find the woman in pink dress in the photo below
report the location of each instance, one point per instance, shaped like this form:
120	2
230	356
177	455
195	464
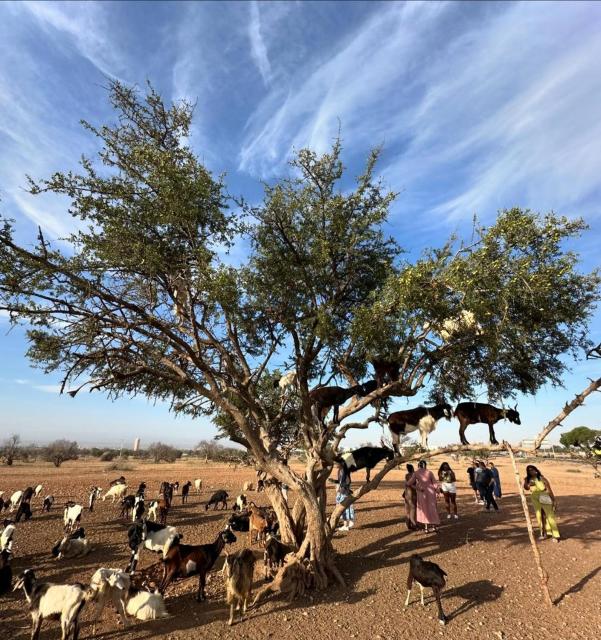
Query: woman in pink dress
427	488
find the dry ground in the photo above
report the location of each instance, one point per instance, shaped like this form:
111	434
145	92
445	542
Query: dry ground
493	587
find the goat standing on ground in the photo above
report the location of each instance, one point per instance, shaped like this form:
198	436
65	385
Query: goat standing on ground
72	515
110	585
116	492
275	554
426	574
219	497
37	490
184	560
24	510
6	537
127	506
238	573
47	600
94	495
198	485
186	491
151	535
48	502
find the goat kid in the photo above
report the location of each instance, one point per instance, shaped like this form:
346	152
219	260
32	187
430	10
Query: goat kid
110	585
240	503
72	515
47	504
426	574
95	493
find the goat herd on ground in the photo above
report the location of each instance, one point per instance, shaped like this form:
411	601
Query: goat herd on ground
139	594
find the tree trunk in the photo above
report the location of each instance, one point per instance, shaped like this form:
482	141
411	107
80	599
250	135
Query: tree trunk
282	510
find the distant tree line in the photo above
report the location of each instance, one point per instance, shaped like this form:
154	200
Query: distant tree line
59	451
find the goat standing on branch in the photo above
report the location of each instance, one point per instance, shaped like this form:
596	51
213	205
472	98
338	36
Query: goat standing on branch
474	412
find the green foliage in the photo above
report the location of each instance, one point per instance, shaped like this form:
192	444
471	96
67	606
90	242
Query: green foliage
579	437
60	451
146	302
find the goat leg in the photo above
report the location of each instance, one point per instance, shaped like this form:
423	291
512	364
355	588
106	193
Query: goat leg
421	589
232	609
409	586
441	616
36	624
491	432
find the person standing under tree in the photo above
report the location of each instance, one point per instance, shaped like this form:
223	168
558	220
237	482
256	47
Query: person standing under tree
543	501
344	490
486	487
471	472
497	481
427	488
447	479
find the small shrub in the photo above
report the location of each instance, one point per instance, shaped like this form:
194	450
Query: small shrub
60	451
120	466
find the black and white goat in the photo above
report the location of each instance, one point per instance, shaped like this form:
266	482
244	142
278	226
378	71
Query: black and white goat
48	600
184	561
150	535
6	537
364	458
72	515
139	508
426	574
423	419
74	546
78	533
38	490
47	504
95	493
240	503
15	499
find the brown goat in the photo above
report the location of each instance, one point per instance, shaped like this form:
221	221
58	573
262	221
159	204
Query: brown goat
256	522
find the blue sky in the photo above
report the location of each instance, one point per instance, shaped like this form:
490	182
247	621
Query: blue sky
478	106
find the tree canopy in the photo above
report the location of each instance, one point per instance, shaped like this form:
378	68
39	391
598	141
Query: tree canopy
579	437
146	300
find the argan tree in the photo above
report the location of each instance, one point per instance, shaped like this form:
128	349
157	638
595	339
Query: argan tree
159	451
147	302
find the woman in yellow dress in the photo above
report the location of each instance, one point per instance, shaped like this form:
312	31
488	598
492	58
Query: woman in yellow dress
543	501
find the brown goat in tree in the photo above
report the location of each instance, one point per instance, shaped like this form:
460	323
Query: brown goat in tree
476	412
324	398
257	521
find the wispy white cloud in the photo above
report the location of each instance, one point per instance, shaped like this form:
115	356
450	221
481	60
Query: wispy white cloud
86	24
477	108
48	388
258	48
21	381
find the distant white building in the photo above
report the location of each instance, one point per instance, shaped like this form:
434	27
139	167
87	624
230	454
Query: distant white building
545	446
136	445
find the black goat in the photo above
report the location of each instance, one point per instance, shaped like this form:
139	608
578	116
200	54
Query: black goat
24	510
119	480
141	489
186	491
6	572
27	494
239	521
127	505
364	458
185	560
219	497
324	398
426	574
274	554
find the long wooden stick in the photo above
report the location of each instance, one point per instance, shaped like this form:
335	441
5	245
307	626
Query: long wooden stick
544	576
567	409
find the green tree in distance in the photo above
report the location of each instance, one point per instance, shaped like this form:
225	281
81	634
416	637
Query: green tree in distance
146	302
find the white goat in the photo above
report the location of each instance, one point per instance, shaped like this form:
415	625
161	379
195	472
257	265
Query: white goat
72	515
465	321
6	538
116	492
47	600
153	509
198	485
73	548
110	585
146	606
15	499
287	380
37	490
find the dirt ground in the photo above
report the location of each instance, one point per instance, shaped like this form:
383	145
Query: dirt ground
493	589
